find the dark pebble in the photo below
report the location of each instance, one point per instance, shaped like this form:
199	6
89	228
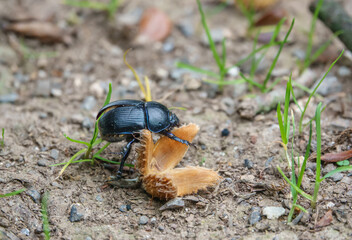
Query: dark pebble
74	215
34	194
54	153
225	132
248	163
128	207
161	228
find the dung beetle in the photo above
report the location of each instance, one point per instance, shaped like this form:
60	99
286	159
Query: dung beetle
125	119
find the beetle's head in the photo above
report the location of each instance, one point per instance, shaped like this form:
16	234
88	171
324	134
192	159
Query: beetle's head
174	121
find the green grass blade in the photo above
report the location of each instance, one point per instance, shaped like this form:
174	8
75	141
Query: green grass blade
3	137
101	149
281	124
339	169
77	161
13	193
196	69
233	82
315	89
303	168
87	4
295	100
273	64
318	157
300	207
223	46
76	141
300	191
108	97
113	162
46	228
293	174
307	60
287	105
323	48
251	81
211	42
245	59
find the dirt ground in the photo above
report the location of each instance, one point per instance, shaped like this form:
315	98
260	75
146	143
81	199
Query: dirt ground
62	93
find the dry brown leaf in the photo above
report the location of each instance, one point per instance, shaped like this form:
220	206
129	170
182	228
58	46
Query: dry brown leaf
336	157
154	26
271	17
44	31
156	164
325	220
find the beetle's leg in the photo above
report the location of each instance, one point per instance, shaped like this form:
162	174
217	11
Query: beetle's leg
126	152
173	137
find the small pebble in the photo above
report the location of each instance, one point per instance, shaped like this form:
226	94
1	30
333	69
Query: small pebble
8	98
225	132
344	71
248	163
268	162
168	46
216	34
273	212
143	220
234	72
54	153
186	28
99	198
74	215
25	231
255	216
229	180
161	228
173	204
34	194
89	103
87	123
337	177
43	88
153	220
43	162
43	115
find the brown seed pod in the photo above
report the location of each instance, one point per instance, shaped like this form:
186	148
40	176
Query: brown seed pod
156	163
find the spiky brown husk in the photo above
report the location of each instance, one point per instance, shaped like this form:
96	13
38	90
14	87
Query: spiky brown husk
156	164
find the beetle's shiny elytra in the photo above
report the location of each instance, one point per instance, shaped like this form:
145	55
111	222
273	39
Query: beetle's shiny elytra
123	118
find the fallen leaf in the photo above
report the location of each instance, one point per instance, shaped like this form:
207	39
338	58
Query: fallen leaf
154	26
44	31
336	157
325	220
271	17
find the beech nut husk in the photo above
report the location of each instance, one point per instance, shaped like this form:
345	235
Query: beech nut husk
157	162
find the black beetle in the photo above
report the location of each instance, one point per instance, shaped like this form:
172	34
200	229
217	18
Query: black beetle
124	119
